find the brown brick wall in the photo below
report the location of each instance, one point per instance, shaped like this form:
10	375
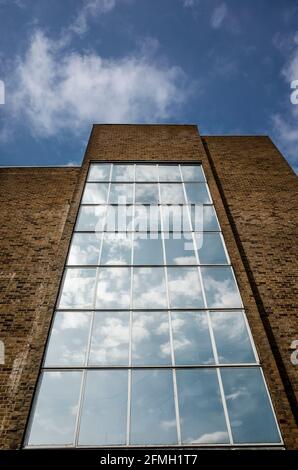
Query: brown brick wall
39	208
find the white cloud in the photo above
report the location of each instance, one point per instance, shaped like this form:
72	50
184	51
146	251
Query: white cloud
285	124
56	90
189	3
90	9
218	15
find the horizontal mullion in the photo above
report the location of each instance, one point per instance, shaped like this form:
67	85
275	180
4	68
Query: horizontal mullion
265	446
148	204
187	309
106	266
143	182
148	231
144	367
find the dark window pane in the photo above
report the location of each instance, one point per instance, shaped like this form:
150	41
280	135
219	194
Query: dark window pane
113	290
211	249
110	337
197	193
185	288
151	339
55	412
95	193
78	288
248	405
147	250
232	339
149	290
104	410
191	338
116	249
153	418
68	339
99	172
84	249
220	288
201	411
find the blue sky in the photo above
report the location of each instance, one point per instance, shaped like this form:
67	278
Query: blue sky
225	65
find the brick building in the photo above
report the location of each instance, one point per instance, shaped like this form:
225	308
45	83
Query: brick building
254	193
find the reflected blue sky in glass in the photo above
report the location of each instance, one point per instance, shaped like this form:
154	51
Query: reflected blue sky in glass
121	194
147	250
175	218
180	250
250	412
231	337
184	288
104	412
146	173
149	288
69	338
203	218
99	172
56	409
110	339
113	289
116	249
201	412
84	249
210	248
169	173
123	173
91	218
191	338
78	288
151	339
172	193
153	419
95	193
197	193
147	218
146	194
119	218
192	173
220	288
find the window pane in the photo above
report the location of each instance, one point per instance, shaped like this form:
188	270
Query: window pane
179	250
99	172
104	410
84	248
113	289
110	337
231	336
191	338
119	218
149	289
147	250
201	411
192	173
78	288
203	218
123	173
197	193
248	405
151	339
211	249
68	339
185	288
175	218
121	194
147	218
147	194
169	173
91	218
220	288
116	249
146	173
56	408
172	193
95	193
153	418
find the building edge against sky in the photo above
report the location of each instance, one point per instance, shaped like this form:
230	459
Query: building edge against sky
255	195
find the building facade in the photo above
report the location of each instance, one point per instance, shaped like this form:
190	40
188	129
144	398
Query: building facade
107	338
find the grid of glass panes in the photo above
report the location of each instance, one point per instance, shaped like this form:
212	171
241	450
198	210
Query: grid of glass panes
150	344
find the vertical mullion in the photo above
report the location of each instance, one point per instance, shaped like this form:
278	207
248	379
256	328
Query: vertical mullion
186	201
170	332
224	404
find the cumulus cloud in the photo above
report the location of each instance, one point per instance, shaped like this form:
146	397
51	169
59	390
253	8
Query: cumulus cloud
285	124
90	9
218	15
57	90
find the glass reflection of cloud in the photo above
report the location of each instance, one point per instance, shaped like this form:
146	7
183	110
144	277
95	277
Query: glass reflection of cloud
113	290
220	288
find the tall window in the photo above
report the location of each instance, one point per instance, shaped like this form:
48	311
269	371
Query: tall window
149	343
